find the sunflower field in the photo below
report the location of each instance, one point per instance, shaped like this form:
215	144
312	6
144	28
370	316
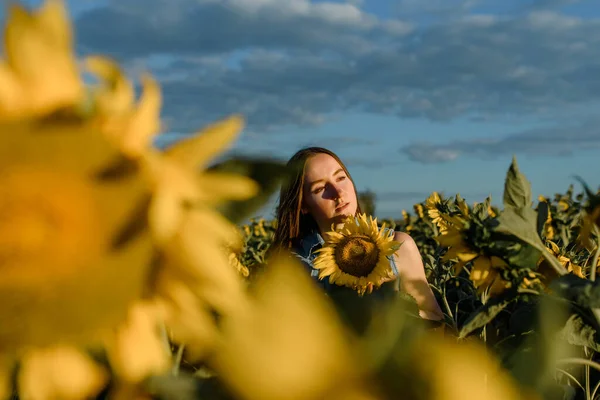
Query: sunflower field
126	271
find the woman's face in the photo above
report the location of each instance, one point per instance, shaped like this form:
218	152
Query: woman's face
328	193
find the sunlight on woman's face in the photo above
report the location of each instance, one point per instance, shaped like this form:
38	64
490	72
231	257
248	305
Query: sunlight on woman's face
328	192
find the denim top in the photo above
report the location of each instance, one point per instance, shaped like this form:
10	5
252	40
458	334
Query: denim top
306	252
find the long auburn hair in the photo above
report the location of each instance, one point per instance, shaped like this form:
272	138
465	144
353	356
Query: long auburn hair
292	224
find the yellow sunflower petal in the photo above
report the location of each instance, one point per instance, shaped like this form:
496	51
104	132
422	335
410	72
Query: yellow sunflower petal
450	239
480	270
145	121
577	270
188	320
198	149
136	350
554	248
59	373
225	186
42	38
118	94
333	237
463	207
466	255
194	252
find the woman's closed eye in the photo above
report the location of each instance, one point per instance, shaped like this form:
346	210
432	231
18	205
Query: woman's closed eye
318	190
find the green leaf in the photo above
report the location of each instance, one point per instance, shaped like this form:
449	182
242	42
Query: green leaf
487	312
579	333
522	223
517	190
269	174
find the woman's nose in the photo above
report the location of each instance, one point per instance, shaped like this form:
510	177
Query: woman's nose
337	191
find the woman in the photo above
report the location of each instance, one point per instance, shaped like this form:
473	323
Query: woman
322	193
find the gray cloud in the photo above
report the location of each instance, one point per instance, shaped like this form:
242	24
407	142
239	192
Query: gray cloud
220	26
558	140
297	63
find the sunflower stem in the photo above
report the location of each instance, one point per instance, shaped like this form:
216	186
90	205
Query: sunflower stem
164	335
553	261
579	361
448	309
596	256
177	360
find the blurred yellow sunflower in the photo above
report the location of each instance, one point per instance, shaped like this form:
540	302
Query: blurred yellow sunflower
356	255
484	272
460	370
68	236
264	354
79	187
191	236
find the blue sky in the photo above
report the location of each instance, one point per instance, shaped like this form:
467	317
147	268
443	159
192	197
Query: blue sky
414	95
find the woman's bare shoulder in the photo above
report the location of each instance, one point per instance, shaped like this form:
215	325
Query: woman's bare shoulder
400	236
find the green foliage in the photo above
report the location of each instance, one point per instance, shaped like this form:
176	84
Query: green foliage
366	200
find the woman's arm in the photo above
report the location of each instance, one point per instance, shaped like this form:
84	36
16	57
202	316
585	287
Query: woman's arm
412	277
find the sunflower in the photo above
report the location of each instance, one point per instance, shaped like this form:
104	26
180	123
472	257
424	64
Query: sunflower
191	236
264	354
548	272
485	271
436	211
356	255
88	208
419	210
67	238
407	221
432	203
458	370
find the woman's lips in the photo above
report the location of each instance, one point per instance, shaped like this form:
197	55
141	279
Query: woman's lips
342	207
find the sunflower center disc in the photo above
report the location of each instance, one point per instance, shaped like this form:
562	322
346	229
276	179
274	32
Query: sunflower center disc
357	255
